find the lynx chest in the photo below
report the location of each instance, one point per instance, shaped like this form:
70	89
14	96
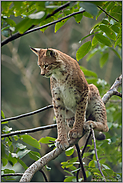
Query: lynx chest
68	94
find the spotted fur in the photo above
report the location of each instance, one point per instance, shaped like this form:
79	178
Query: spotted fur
73	98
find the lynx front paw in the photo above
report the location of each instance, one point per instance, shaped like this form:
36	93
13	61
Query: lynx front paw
73	134
88	125
61	144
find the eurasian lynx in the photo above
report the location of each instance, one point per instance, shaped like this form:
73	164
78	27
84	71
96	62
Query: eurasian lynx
73	98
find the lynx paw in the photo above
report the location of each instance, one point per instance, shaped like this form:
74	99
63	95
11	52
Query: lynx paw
88	125
61	144
74	134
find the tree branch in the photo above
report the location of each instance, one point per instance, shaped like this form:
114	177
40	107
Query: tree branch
107	13
17	35
12	174
29	130
113	89
27	114
97	155
81	163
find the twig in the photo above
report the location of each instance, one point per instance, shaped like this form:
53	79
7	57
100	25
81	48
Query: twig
58	9
45	178
17	35
12	174
107	14
29	130
117	93
81	163
27	114
97	155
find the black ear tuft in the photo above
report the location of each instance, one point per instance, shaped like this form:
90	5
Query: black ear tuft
35	50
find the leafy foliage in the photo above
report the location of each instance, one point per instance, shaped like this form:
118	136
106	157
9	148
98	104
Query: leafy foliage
20	16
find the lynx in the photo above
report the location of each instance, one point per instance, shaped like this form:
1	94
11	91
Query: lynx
73	98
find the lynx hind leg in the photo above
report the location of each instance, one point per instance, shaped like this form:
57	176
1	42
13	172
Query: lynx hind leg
97	109
70	118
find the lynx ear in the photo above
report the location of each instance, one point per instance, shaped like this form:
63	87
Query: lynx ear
35	50
51	53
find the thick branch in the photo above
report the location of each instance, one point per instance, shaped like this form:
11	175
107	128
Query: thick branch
28	174
17	35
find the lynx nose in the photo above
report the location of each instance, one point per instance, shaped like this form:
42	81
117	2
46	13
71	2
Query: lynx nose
42	73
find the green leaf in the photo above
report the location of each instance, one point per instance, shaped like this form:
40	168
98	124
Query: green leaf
104	59
69	179
115	28
6	5
38	15
83	50
78	17
91	163
10	22
2	114
102	39
23	153
118	42
116	53
12	159
86	14
90	8
109	32
94	41
69	151
22	163
21	25
47	140
31	141
8	171
92	53
34	155
60	24
4	161
88	72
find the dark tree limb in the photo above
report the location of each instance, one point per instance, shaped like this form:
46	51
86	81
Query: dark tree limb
29	130
81	163
12	174
107	14
45	178
27	114
17	35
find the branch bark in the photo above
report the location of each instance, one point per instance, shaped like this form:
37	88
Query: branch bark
113	89
28	174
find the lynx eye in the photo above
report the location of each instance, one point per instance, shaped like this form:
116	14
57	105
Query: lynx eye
45	66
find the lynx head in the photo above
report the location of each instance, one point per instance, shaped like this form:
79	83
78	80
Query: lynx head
48	61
